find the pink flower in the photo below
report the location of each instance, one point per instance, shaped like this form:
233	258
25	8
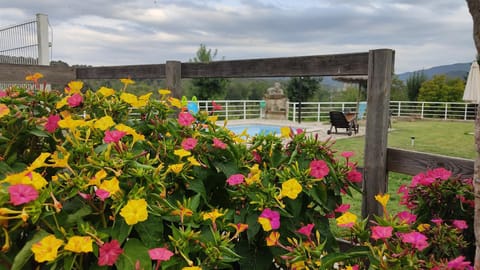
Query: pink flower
216	107
185	119
85	196
235	179
418	240
460	224
3	93
347	154
406	217
75	100
113	136
422	179
219	144
318	168
160	254
257	157
109	253
189	143
20	194
272	216
354	176
381	232
102	194
437	221
459	263
440	173
52	123
342	208
306	230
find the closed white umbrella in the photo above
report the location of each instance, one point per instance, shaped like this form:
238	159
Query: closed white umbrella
472	88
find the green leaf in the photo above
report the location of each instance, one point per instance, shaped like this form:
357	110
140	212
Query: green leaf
38	133
120	230
134	251
151	231
26	253
253	226
198	186
79	214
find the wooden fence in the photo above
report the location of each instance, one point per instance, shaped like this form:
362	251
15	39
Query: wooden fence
376	64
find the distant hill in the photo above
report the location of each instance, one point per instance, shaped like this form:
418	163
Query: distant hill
459	70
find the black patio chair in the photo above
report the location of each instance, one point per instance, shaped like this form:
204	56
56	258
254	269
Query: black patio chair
340	120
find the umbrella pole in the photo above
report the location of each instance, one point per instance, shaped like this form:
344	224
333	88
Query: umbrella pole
476	186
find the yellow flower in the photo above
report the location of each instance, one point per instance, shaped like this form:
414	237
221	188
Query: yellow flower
74	87
135	211
176	168
127	81
105	91
266	224
254	175
298	265
347	220
104	123
193	161
272	238
423	227
37	180
4	110
39	162
46	249
62	102
143	100
97	178
175	102
182	153
60	158
71	123
212	215
164	92
192	268
291	189
112	185
79	244
382	199
27	178
212	119
129	98
130	131
285	131
34	77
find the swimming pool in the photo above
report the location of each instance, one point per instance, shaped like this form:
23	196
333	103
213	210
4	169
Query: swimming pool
255	129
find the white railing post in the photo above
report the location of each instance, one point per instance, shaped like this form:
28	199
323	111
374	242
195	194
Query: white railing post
226	110
294	111
465	112
319	112
244	110
421	113
446	110
399	108
42	37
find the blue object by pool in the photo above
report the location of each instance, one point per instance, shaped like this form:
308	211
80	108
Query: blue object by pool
253	130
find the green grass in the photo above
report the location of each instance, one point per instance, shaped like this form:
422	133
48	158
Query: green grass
449	138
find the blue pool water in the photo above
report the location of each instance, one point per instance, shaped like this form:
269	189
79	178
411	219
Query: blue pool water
253	130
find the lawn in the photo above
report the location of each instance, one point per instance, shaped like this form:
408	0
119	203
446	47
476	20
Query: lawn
449	138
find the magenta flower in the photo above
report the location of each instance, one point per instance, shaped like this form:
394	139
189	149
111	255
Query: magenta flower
257	157
347	154
437	221
460	224
113	136
52	123
306	230
85	196
185	119
219	144
20	194
459	263
189	143
102	194
422	179
354	176
235	179
3	93
342	208
406	217
440	173
381	232
418	240
216	107
109	253
160	255
318	168
272	216
75	100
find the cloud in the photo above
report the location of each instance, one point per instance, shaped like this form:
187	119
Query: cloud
127	32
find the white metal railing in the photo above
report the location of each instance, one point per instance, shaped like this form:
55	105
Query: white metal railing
318	111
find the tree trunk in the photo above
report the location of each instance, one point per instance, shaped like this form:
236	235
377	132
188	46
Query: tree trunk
474	8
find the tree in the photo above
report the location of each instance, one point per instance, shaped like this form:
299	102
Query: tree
441	88
414	82
301	88
398	90
207	88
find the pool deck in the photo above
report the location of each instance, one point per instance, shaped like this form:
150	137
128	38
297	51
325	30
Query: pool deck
315	128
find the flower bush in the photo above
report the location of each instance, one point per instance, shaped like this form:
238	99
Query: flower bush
108	179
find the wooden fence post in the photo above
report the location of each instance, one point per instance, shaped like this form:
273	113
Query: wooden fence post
173	77
375	175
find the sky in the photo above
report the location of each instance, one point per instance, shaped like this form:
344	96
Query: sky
423	33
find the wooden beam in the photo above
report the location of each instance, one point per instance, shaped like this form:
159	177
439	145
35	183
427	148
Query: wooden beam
375	176
413	163
52	74
119	72
323	65
173	81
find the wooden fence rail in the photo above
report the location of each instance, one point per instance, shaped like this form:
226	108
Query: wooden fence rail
376	64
